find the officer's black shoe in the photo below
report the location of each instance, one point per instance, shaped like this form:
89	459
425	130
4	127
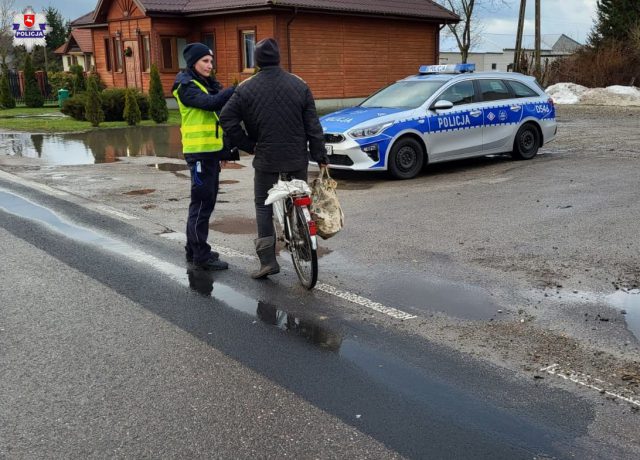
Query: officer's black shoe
212	255
211	264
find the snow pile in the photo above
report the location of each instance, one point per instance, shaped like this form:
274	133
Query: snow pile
570	93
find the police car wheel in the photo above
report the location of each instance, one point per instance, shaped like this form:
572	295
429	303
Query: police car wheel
527	142
406	159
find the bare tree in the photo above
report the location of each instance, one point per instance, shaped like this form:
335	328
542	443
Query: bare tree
6	19
467	32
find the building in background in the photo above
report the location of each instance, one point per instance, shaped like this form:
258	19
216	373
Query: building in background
496	51
343	50
78	50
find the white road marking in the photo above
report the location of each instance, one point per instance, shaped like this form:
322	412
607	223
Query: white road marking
37	185
582	379
326	288
115	212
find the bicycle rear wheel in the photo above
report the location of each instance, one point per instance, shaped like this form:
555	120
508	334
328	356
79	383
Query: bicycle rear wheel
304	257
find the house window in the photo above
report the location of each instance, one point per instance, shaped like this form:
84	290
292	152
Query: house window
146	53
107	53
210	41
69	63
87	62
248	42
494	66
172	48
117	50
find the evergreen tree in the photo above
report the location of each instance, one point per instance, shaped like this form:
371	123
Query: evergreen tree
93	107
6	98
616	19
79	83
32	95
131	112
58	33
157	104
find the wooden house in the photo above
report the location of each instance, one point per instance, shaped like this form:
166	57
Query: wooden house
342	49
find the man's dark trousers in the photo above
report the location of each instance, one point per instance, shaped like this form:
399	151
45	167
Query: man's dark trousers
205	174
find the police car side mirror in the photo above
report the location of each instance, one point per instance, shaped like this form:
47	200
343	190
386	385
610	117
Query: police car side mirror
442	105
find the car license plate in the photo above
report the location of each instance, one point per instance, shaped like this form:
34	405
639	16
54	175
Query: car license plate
329	149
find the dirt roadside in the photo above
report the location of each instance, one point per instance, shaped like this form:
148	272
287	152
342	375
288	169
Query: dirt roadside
549	240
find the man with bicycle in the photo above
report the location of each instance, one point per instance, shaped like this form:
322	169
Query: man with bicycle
282	131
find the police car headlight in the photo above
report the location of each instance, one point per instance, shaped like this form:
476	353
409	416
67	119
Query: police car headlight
369	130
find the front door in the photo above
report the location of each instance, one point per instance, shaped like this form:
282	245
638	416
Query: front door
132	64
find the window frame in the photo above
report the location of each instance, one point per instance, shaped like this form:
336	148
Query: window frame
511	85
473	86
175	58
118	60
480	94
211	34
108	55
243	58
145	58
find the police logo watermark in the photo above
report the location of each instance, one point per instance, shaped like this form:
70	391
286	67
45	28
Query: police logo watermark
30	29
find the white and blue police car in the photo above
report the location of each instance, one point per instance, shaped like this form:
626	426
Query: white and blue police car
445	112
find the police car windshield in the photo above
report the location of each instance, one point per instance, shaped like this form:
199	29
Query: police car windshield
403	94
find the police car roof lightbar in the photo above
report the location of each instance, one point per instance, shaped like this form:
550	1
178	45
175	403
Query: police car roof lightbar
447	68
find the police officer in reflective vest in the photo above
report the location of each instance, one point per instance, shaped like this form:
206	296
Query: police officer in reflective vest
199	97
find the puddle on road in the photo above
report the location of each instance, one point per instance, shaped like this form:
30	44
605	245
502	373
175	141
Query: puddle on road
234	225
629	301
421	294
229	182
99	146
143	191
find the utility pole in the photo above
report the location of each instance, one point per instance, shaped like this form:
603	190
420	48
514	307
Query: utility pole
517	55
538	71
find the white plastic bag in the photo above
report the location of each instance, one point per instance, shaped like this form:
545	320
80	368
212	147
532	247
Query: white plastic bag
281	190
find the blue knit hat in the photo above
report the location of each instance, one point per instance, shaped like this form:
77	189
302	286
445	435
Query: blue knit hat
193	52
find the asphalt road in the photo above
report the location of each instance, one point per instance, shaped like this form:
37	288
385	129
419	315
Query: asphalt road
111	348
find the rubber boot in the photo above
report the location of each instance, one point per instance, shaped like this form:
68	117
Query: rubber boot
266	249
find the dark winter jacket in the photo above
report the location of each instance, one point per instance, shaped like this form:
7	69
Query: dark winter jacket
192	96
280	117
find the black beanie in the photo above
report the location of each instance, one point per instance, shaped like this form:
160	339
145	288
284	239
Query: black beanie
267	53
193	52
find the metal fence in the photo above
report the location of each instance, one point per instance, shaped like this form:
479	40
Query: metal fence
16	83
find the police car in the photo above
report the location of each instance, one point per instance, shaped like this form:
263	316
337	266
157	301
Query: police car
446	112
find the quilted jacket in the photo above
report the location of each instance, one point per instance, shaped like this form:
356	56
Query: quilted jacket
280	120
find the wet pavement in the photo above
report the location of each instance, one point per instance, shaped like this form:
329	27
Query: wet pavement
392	389
628	301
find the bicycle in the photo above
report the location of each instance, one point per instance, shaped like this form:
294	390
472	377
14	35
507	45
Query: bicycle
298	231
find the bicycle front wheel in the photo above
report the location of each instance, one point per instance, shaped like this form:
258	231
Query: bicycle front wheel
304	257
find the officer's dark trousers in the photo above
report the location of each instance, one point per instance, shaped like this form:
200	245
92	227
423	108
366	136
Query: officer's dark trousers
262	183
204	192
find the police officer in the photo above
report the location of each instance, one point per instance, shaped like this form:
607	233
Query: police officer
282	131
199	97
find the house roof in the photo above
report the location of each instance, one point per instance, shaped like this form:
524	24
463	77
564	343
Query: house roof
79	40
85	19
498	43
422	9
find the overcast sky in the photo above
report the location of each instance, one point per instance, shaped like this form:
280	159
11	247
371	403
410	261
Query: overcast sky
571	17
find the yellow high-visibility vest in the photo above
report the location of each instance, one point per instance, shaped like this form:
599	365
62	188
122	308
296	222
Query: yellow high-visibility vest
200	129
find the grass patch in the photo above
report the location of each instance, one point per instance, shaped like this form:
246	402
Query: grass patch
31	120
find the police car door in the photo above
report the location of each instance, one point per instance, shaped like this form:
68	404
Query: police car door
499	112
456	132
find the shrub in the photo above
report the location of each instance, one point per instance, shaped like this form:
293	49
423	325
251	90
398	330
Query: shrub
75	107
131	112
79	83
6	98
60	80
157	105
93	105
113	102
32	95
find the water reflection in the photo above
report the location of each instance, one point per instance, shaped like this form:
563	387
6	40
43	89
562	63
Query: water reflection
201	281
98	146
310	331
